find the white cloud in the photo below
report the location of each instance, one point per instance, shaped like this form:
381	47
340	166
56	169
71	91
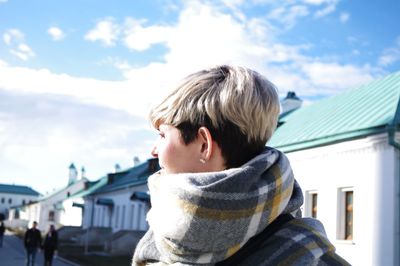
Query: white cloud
334	77
106	31
15	41
344	17
38	126
56	33
3	1
120	64
315	2
329	8
390	55
233	3
288	16
193	42
25	49
7	38
202	36
141	38
23	52
13	36
288	12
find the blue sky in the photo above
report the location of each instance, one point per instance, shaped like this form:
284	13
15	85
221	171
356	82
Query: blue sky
77	78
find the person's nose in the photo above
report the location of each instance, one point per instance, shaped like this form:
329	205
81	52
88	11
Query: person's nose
154	151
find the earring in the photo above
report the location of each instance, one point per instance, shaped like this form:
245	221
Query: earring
202	160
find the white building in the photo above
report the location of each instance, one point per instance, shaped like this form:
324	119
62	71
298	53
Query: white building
73	207
15	195
122	203
51	206
49	209
344	151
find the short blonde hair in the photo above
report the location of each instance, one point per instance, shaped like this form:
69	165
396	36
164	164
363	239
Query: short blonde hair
223	93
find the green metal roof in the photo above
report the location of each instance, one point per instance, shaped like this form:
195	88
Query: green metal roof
134	176
362	111
91	186
16	189
61	190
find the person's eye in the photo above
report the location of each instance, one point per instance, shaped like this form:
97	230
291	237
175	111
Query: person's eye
161	134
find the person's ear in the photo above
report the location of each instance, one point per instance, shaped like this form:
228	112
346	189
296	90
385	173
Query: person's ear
206	141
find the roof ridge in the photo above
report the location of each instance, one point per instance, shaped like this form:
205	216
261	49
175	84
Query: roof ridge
369	106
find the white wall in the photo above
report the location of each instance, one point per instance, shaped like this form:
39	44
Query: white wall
16	199
27	215
369	167
48	204
71	215
124	215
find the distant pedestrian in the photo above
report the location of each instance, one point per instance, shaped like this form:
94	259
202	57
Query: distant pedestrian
32	241
2	230
50	245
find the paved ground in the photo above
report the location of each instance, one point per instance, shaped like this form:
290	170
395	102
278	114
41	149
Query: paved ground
13	254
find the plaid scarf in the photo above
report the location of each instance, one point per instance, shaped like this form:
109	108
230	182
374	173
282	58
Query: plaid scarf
203	218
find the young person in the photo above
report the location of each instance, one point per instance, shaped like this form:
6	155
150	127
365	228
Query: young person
50	245
222	197
32	241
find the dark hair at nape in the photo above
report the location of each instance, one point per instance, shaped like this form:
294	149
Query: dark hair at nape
234	145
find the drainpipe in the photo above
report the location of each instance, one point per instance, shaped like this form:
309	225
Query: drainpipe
392	129
88	229
392	137
396	145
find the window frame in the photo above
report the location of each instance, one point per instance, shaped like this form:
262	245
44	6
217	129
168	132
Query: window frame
309	202
343	214
51	216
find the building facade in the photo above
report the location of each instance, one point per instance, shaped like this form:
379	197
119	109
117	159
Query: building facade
121	204
15	195
345	154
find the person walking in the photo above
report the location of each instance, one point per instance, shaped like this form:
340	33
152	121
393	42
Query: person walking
50	245
2	230
32	242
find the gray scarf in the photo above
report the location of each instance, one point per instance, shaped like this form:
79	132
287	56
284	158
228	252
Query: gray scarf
204	218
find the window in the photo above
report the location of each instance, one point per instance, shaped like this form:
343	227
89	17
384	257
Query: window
98	209
23	202
2	200
16	214
9	200
345	224
123	217
348	229
51	216
131	217
139	215
116	217
311	204
99	216
314	198
103	218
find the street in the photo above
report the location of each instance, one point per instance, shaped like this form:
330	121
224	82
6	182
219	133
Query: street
13	254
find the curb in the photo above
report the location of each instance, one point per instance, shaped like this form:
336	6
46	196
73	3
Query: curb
67	261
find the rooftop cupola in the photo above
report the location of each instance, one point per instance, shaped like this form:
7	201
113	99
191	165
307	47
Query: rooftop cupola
290	102
73	174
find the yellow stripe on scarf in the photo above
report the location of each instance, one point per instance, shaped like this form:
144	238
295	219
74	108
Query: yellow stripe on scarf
232	250
273	205
277	200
